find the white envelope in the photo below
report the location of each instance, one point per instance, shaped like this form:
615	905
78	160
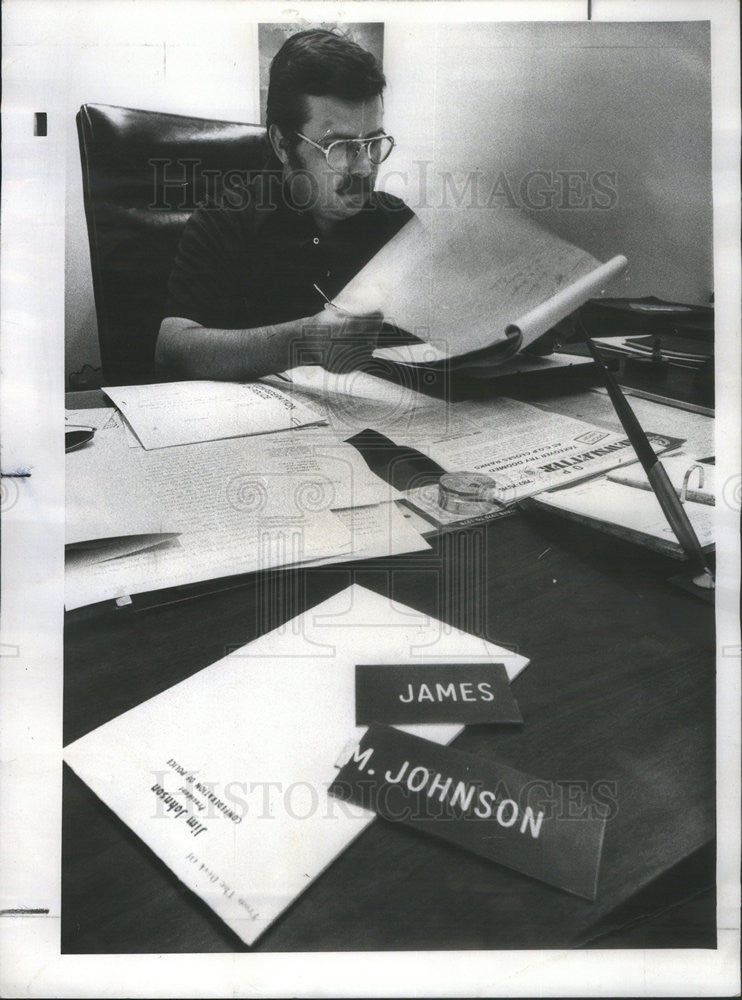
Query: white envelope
225	775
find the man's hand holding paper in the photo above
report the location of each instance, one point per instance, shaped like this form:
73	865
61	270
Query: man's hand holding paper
340	341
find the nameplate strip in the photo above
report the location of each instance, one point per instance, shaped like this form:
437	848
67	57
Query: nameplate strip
434	692
481	805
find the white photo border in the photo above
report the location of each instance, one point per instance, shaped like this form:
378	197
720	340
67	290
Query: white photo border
31	670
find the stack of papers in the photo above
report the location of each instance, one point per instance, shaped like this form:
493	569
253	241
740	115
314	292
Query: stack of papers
632	514
145	518
683	352
185	505
220	508
474	287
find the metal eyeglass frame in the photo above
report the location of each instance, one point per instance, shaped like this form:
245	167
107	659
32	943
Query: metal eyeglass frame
361	142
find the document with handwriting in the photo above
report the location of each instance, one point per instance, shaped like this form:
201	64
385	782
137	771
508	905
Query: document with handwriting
225	775
464	281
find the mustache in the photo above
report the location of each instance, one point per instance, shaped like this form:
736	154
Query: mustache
355	185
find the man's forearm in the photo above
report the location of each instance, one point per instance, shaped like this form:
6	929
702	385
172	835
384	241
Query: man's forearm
188	350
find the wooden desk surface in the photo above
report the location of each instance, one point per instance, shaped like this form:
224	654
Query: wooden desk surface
619	691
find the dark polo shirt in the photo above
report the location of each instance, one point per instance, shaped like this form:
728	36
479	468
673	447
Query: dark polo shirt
255	262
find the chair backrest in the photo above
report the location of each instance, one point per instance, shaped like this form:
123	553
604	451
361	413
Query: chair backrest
144	173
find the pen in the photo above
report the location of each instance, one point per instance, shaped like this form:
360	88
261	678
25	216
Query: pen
658	478
330	303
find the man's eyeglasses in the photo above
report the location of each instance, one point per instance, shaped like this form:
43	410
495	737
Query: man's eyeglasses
341	154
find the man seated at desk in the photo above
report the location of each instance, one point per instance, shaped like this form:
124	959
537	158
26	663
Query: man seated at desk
246	291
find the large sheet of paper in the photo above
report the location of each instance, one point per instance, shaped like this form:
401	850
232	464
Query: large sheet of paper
172	413
667	417
107	493
378	531
260	542
113	490
141	564
103	549
523	448
352	401
463	280
225	775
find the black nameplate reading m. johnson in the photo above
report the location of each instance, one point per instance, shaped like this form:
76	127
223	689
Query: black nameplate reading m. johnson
481	805
434	692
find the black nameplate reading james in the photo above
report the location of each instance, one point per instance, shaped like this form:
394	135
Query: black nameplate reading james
434	692
481	805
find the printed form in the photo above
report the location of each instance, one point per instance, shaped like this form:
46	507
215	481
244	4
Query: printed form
172	413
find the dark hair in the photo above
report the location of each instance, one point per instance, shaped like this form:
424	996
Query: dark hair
320	63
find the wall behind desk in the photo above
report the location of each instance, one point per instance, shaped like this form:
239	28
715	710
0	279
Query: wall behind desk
602	132
491	100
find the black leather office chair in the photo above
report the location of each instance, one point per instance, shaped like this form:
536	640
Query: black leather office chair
144	173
